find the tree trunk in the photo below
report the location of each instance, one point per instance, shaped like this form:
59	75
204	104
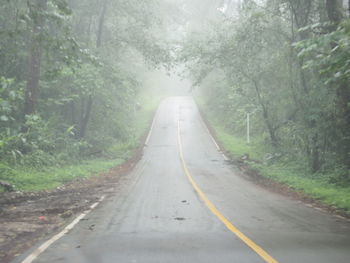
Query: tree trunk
268	123
32	89
335	14
89	31
300	13
87	109
101	23
72	112
315	155
334	10
343	94
86	117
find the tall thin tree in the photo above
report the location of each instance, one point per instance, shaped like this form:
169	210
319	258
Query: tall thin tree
37	9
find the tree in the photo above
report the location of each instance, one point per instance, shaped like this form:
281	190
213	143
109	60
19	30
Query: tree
74	70
288	61
335	14
37	14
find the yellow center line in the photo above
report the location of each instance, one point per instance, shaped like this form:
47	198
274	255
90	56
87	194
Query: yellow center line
260	251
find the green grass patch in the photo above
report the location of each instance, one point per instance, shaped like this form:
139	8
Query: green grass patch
237	146
315	187
290	173
30	179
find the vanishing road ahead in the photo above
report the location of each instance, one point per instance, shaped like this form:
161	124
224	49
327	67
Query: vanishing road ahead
184	203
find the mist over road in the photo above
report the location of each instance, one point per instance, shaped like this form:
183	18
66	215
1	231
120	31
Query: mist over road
156	215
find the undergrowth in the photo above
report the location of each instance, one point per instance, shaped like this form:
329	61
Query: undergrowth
290	172
50	173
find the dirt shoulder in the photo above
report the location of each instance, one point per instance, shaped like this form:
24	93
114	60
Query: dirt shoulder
27	218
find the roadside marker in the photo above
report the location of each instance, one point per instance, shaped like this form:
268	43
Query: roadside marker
56	237
260	251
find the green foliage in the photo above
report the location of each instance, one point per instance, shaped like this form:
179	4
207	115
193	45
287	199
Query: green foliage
38	170
287	66
328	53
89	78
89	59
11	100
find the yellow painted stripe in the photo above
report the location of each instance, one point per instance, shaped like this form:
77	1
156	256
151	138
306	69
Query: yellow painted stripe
261	252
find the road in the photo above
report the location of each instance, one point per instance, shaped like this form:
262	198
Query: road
184	203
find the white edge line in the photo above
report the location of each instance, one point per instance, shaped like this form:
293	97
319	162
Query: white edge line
216	145
225	157
150	131
212	138
56	237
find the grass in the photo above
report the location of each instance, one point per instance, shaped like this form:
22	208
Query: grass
286	172
238	146
314	187
51	177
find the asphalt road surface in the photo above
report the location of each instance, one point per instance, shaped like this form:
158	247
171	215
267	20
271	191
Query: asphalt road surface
184	203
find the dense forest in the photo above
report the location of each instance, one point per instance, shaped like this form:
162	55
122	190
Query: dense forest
72	72
287	65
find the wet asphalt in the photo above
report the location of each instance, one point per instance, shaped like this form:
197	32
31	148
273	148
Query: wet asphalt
156	215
